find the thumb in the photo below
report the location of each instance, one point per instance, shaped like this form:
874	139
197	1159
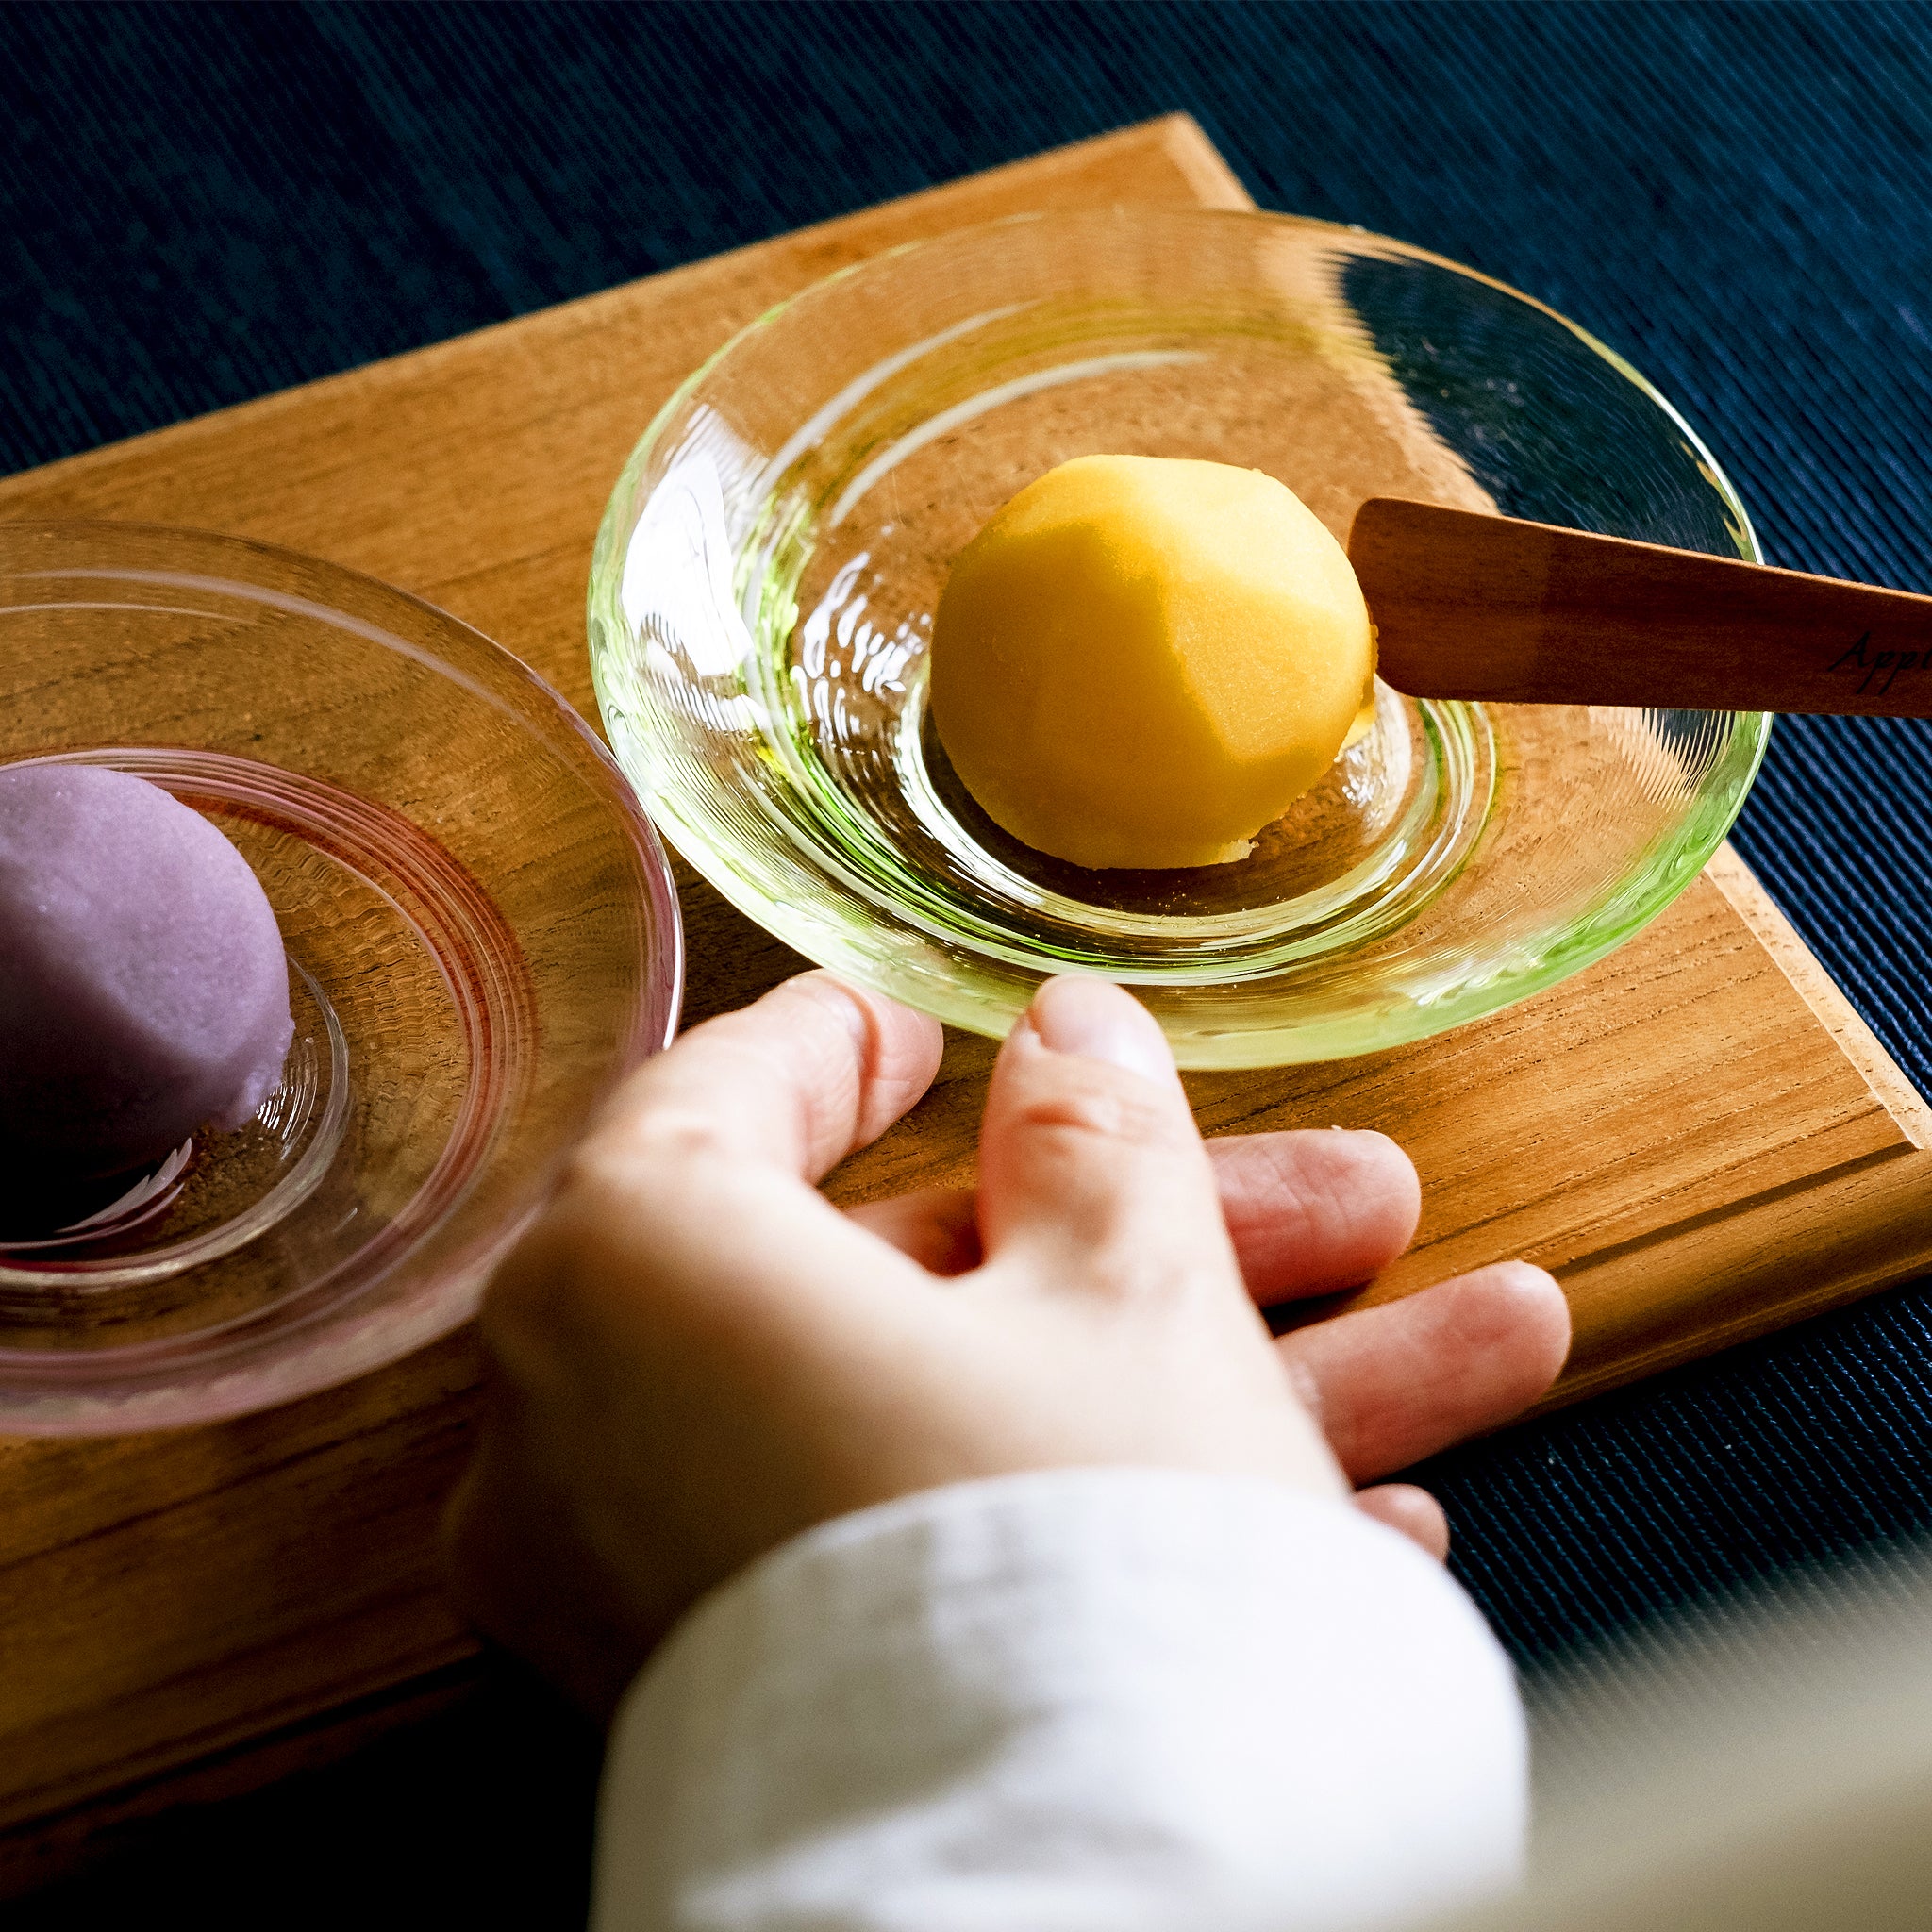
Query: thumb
1092	1173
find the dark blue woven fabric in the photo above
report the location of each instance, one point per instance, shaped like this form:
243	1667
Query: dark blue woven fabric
205	204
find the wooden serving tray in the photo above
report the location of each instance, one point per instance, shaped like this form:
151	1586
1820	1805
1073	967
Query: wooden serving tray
1698	1135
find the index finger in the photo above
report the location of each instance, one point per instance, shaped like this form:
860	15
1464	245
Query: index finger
689	1200
797	1081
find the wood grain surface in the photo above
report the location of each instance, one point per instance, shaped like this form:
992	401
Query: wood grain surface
1697	1134
1502	610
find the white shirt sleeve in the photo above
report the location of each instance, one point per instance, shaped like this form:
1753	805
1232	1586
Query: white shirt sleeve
1095	1700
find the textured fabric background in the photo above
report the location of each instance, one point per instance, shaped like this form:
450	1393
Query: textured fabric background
205	204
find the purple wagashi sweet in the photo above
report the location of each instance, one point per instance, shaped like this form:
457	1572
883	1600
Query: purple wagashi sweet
144	986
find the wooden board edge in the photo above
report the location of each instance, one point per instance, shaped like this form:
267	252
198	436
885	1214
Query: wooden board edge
44	1849
1200	164
1867	1227
1881	1073
233	1737
1679	1350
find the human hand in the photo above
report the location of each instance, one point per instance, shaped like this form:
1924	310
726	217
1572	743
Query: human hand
698	1357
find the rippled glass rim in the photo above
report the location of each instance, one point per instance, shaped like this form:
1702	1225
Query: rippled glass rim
832	931
322	1336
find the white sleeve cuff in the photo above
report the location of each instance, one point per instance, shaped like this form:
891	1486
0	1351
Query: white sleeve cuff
1096	1698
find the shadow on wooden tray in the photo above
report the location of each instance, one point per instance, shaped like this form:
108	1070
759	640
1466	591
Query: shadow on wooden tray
478	1812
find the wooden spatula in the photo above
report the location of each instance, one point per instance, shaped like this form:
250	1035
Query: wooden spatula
1468	606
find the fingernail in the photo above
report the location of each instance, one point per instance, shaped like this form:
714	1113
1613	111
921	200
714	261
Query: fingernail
1096	1020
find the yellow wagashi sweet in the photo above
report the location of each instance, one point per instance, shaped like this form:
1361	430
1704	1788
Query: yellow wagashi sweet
1143	661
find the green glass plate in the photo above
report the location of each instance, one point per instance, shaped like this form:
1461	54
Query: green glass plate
765	578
